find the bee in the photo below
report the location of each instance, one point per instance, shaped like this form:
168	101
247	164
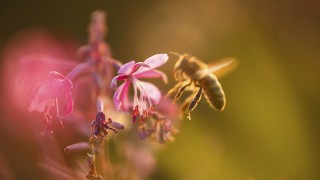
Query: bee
189	71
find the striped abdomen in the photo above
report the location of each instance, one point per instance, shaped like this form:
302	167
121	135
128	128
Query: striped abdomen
213	92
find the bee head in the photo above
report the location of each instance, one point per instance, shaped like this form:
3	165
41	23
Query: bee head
182	62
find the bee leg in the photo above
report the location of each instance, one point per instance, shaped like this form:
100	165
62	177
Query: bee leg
181	89
193	104
175	89
185	105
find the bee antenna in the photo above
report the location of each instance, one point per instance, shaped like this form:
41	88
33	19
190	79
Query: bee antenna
175	53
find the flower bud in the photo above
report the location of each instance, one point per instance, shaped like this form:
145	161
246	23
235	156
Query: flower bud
77	147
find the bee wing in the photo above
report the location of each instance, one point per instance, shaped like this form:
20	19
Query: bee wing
221	67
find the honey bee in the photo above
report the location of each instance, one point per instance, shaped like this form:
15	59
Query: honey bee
189	71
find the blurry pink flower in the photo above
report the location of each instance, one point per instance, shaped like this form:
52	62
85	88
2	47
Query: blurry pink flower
27	58
46	95
149	93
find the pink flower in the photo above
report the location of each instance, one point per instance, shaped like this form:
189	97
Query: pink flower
53	98
149	93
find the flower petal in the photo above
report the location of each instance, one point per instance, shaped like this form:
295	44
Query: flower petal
114	83
114	80
68	106
45	90
120	97
151	91
125	96
138	65
36	105
78	69
38	86
127	67
56	84
56	75
68	84
156	60
151	73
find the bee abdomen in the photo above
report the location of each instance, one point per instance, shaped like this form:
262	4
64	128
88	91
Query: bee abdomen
213	92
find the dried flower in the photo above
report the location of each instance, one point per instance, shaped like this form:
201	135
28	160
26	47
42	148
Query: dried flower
100	125
158	127
131	72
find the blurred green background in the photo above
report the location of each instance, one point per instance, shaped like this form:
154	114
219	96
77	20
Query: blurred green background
270	127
